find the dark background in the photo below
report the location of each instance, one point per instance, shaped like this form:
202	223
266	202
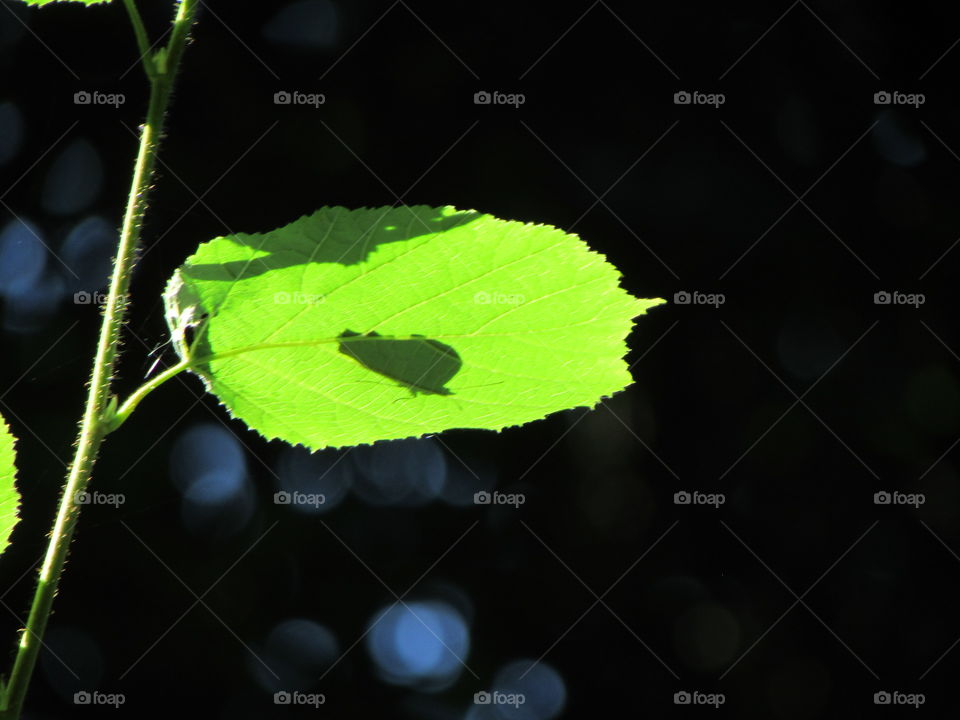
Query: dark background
798	398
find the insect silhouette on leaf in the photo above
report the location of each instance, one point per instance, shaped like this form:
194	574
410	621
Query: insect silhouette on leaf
418	363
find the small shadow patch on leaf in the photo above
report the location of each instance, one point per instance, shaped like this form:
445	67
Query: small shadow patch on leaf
420	364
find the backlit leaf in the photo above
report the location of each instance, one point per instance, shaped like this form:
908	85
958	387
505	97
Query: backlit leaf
9	497
350	326
85	2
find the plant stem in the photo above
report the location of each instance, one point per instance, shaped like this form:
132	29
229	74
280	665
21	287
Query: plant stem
98	413
143	42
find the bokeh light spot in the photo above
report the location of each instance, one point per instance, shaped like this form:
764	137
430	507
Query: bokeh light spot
296	651
421	643
22	257
304	25
707	637
74	180
88	252
400	472
11	131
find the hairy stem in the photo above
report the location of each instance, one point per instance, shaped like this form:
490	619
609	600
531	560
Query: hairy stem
99	411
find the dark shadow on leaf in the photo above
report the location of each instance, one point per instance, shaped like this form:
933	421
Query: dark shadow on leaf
357	235
418	363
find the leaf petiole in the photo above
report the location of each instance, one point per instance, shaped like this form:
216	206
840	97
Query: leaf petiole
114	420
143	40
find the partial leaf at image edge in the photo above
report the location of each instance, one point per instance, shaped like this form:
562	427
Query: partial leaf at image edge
47	2
9	497
350	326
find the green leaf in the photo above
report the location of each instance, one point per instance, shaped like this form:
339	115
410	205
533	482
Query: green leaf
45	2
351	326
9	497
